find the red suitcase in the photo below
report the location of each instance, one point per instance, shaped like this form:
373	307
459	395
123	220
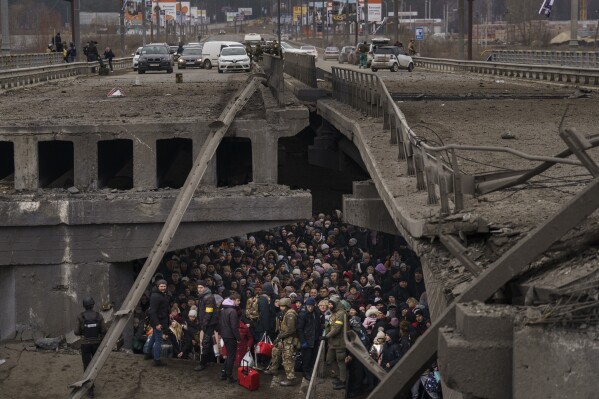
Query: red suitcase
248	377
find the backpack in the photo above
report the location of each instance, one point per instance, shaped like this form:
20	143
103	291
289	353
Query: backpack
432	385
91	325
251	309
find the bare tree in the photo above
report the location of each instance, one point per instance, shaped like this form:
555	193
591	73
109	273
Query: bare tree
529	25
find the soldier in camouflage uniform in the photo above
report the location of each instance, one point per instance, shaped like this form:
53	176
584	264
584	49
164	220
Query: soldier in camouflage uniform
285	344
334	335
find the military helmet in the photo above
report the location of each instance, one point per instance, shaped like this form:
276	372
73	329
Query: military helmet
285	302
335	300
88	302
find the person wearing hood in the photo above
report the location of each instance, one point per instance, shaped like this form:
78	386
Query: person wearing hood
228	327
334	335
308	330
208	320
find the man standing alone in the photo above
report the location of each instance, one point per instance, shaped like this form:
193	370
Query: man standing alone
91	326
228	326
158	314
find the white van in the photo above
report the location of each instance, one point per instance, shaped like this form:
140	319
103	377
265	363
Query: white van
211	51
252	39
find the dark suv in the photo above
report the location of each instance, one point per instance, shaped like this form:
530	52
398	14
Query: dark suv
155	57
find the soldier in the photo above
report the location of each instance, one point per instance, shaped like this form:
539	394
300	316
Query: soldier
248	50
285	344
208	321
258	52
334	335
91	326
411	47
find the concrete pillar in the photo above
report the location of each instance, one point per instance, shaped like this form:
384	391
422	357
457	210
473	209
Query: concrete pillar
86	164
7	303
144	163
265	158
26	163
209	178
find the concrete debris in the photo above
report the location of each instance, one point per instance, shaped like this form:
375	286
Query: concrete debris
49	343
73	190
2	361
508	136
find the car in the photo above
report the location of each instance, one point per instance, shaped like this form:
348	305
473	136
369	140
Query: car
345	53
211	51
331	53
136	58
222	32
392	58
309	50
288	48
375	42
191	58
233	59
155	57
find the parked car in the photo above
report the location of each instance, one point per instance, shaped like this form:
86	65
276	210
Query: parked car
136	57
309	50
345	53
331	53
392	58
374	44
233	59
190	58
155	57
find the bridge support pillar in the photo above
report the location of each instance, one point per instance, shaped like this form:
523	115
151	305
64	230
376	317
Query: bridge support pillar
265	158
86	164
144	164
26	163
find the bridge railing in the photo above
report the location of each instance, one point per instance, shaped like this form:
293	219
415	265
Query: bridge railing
551	73
435	167
30	60
585	59
14	78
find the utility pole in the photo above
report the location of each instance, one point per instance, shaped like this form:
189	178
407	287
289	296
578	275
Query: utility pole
461	24
347	20
573	23
122	26
470	29
75	26
5	29
395	20
366	26
143	22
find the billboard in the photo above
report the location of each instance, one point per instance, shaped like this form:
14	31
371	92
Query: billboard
245	11
375	11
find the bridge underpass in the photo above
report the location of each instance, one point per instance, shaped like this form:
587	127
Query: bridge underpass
442	263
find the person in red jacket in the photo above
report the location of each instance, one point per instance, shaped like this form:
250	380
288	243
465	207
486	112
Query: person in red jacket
247	341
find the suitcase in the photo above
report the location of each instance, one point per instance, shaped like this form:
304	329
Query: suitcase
248	378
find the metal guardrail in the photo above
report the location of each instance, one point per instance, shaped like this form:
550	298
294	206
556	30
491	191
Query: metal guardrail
302	67
552	73
440	176
14	78
585	59
30	60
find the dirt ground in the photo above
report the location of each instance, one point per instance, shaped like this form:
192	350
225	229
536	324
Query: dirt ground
46	374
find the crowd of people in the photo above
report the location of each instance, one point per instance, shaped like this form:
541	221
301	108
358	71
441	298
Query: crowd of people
294	287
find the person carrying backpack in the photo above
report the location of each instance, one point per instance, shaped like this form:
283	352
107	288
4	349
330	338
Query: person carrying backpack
91	327
363	55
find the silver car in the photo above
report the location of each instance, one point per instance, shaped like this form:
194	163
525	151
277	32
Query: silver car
331	53
392	58
191	57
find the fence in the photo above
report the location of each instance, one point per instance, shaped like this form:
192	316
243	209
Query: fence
14	78
551	73
585	59
30	60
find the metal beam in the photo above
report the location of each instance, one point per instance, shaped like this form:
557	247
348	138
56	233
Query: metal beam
508	266
163	241
578	144
356	348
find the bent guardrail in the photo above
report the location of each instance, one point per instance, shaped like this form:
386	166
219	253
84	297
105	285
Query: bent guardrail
14	78
551	73
435	167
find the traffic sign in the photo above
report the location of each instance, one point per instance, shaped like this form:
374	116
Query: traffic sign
419	33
